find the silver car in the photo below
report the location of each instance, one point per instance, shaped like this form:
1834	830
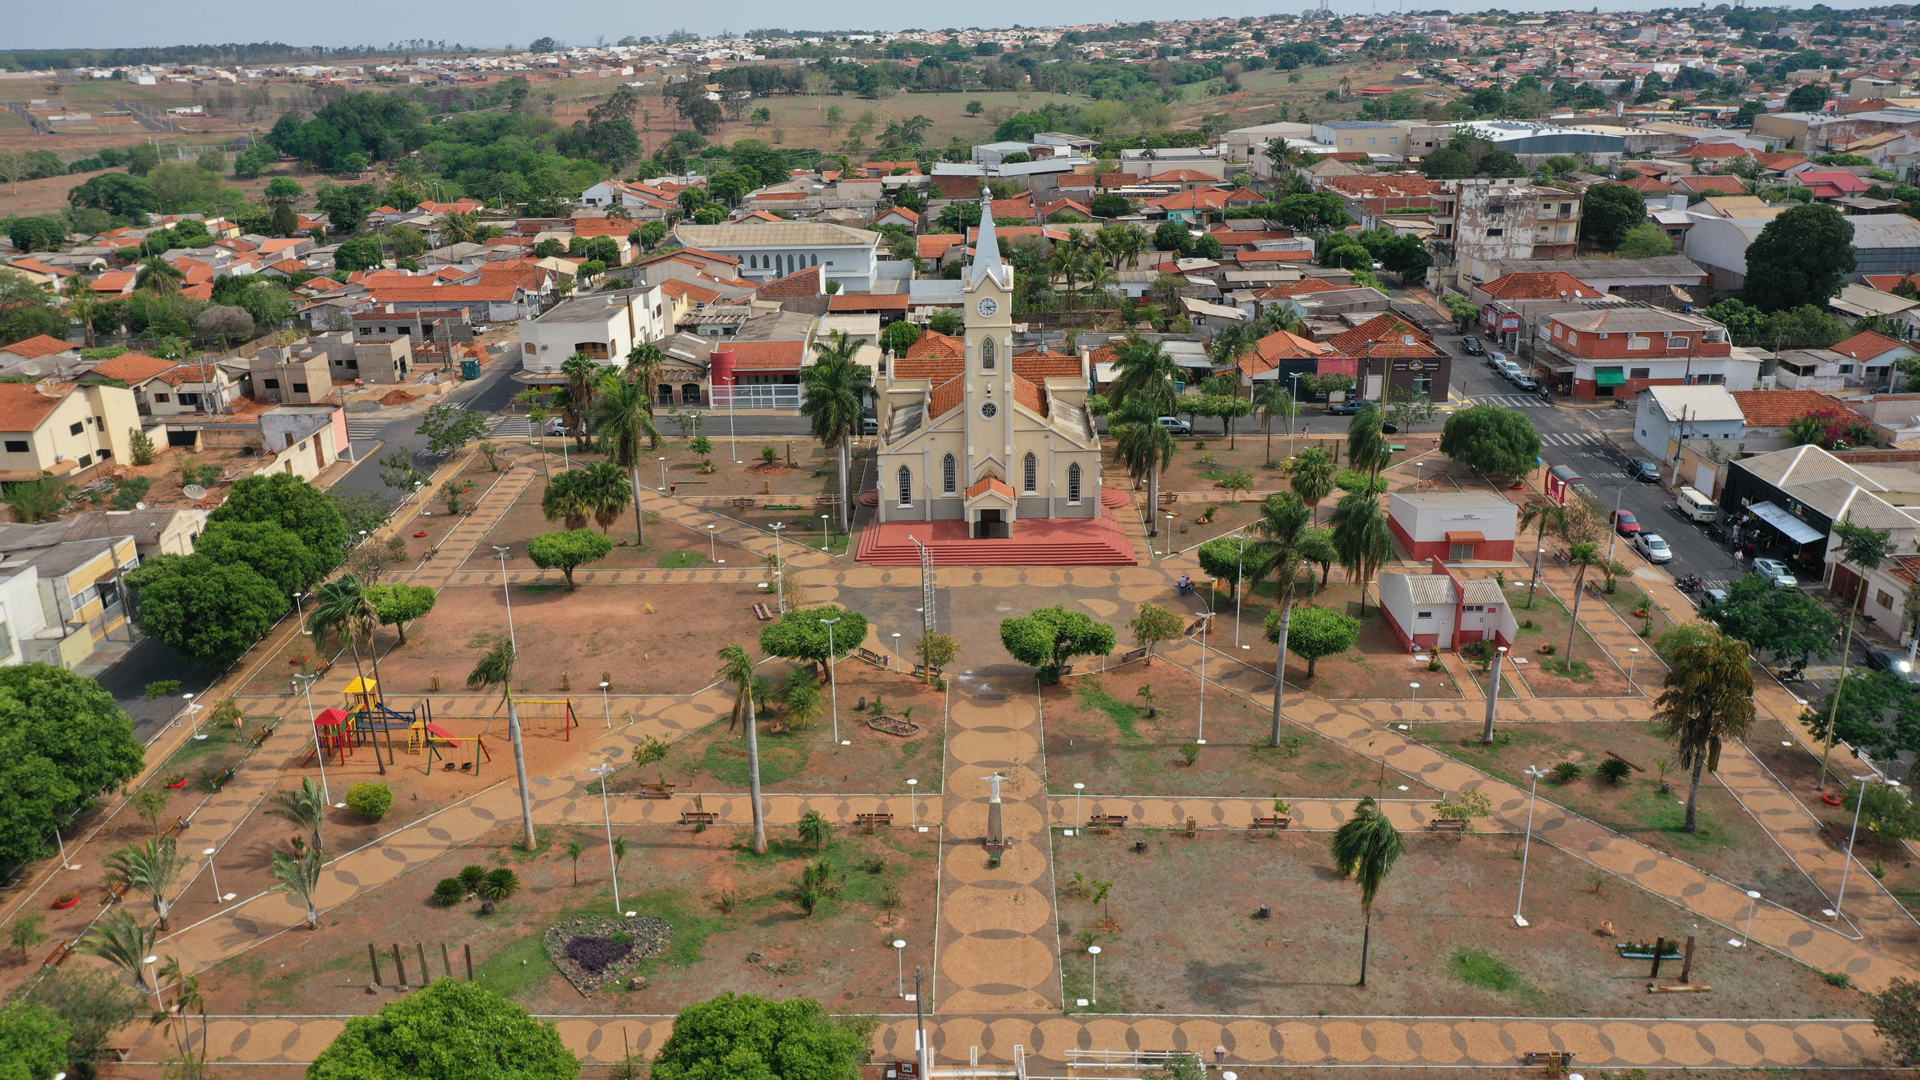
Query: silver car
1776	572
1654	547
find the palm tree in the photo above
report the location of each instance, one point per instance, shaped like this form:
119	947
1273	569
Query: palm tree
582	374
1144	376
1270	397
496	669
306	808
299	876
459	228
83	305
120	940
607	489
1583	556
736	667
623	415
151	868
1538	516
644	364
834	399
566	499
341	606
1709	698
1366	443
1313	472
1143	448
187	999
158	275
1283	524
1365	848
1362	537
1865	548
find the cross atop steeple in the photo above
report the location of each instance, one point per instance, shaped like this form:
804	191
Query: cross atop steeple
986	246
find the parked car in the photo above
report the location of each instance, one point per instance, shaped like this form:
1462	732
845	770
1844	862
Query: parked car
1653	546
1497	360
1623	522
1642	469
1347	407
1472	347
1892	662
1522	380
1511	371
1713	596
1776	572
869	425
1176	425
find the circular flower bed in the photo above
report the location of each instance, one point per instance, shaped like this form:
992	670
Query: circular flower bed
593	951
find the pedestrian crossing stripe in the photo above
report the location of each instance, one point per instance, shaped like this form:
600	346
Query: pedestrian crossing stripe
1512	401
1560	438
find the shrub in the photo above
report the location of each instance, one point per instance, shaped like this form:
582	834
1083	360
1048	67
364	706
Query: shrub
769	455
499	884
472	876
370	800
1567	772
1614	769
449	892
597	954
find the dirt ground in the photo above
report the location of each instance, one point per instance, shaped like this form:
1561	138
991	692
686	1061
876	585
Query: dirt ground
1550	619
1188	940
1729	842
724	904
807	760
577	634
1098	733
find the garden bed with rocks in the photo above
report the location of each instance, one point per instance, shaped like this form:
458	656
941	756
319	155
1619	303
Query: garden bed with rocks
593	951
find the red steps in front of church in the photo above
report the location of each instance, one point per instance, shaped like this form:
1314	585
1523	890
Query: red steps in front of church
1035	542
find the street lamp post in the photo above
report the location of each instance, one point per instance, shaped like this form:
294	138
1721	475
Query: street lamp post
1078	788
1239	586
218	896
1414	704
1169	552
1206	621
1753	905
833	678
1859	800
149	962
663	474
1094	951
193	710
604	770
1633	657
779	563
513	709
1526	845
713	550
306	687
900	966
300	612
913	805
824	519
606	702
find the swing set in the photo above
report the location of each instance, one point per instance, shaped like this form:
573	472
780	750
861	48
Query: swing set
367	715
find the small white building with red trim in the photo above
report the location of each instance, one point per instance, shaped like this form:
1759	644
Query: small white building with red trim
1456	526
1442	610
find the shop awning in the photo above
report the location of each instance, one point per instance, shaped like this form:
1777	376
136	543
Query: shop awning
1466	538
1789	526
1609	376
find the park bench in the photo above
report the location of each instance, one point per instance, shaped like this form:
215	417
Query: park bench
1271	823
179	826
110	1054
868	821
1168	498
654	791
1130	657
872	657
1833	833
921	671
827	500
261	735
1446	825
1552	1059
1107	821
742	504
698	817
59	955
763	613
116	891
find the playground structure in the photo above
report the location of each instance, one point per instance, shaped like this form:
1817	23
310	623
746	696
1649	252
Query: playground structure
368	715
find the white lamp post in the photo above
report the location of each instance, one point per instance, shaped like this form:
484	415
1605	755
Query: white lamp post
218	896
1526	845
913	805
306	687
1753	905
1094	951
193	709
1078	789
663	474
61	840
824	519
300	612
1414	703
1847	867
606	703
1169	552
149	962
1206	620
604	770
1239	586
833	678
713	550
900	966
779	564
1633	656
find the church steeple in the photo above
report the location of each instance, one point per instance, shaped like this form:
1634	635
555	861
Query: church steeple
986	248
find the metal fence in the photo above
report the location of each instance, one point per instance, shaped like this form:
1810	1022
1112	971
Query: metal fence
772	396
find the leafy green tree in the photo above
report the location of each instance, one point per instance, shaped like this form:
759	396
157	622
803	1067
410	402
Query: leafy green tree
731	1037
1896	1016
295	505
209	612
274	551
1312	473
1608	211
1365	848
1234	558
1879	715
362	253
1315	632
1801	257
1790	625
567	550
93	1005
63	742
1808	97
448	427
399	605
1492	439
1644	241
801	634
33	1042
1708	698
1885	811
1153	625
1048	638
451	1030
1447	163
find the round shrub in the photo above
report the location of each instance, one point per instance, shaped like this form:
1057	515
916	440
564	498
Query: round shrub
472	876
449	892
1567	772
1614	769
370	800
499	884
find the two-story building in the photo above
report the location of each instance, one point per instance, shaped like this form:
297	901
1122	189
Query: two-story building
63	429
775	249
1495	220
1670	415
1619	351
604	326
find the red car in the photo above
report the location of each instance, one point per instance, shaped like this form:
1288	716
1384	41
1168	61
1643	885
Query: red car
1623	522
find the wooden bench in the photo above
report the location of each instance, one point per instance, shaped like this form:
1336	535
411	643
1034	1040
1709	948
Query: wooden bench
1130	657
868	821
1833	834
179	826
1446	825
921	671
1168	498
698	817
110	1054
742	504
1552	1059
116	891
1107	821
871	657
654	791
762	612
1271	823
827	500
261	735
58	956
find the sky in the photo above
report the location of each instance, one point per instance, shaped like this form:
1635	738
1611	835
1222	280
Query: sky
52	24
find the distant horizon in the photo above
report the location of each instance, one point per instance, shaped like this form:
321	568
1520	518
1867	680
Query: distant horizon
174	24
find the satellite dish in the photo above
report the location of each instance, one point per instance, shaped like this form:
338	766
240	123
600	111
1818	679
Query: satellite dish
1406	339
193	491
28	368
139	506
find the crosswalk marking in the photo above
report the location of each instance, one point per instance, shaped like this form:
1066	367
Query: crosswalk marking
1512	401
365	429
1566	438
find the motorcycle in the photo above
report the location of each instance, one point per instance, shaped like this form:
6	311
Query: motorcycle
1790	675
1689	583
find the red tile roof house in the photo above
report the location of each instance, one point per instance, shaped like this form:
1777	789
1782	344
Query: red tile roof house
39	347
1876	355
1830	183
1442	610
1396	353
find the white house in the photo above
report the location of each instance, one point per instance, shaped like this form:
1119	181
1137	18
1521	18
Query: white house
604	326
1669	415
1443	611
775	249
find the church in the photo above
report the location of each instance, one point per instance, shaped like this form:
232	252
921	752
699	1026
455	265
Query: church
998	444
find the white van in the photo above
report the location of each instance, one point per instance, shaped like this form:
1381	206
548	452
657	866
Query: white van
1696	507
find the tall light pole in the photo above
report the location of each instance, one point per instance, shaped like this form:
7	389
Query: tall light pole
1753	905
606	703
149	962
1094	951
913	805
1526	845
218	896
306	687
513	709
1078	789
833	678
1169	552
1633	656
713	550
1493	696
604	770
1859	800
1414	703
193	710
1206	621
779	565
663	474
300	613
1294	381
900	966
1239	587
824	519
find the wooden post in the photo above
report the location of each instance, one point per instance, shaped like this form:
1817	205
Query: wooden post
400	965
421	949
468	949
1659	944
373	958
445	960
1686	968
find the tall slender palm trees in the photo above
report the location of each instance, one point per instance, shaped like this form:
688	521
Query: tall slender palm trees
1709	698
644	364
342	607
1367	441
1269	398
305	808
120	940
583	375
622	416
736	667
151	868
608	490
1144	376
1362	537
1538	516
1865	548
1283	525
1144	448
1313	472
834	399
1365	848
1584	557
496	669
299	876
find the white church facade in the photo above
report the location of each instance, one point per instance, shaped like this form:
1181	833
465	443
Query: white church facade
971	432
